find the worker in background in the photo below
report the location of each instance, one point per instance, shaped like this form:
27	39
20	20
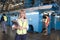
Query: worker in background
47	20
4	22
21	29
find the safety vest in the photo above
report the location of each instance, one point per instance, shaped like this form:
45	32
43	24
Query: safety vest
23	24
47	22
5	18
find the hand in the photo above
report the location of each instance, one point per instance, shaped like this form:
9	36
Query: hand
20	28
24	28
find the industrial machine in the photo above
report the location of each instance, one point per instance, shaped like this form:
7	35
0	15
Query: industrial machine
35	21
57	22
34	16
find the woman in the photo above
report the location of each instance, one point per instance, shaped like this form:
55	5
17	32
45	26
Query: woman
21	32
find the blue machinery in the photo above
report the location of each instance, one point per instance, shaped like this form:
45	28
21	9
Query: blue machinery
35	19
57	22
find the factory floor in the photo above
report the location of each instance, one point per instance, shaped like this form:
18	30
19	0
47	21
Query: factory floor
55	35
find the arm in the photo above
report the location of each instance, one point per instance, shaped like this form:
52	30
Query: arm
26	25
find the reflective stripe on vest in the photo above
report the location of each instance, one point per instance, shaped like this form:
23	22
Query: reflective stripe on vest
23	24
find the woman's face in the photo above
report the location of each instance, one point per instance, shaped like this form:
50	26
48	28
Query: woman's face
22	14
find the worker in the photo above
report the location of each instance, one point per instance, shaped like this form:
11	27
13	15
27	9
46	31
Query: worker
4	22
47	20
21	32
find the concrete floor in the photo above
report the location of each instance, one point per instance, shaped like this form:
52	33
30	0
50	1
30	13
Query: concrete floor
55	35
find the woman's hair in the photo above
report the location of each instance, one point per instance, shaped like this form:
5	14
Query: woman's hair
23	13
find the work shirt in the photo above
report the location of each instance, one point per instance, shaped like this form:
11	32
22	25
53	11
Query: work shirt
23	24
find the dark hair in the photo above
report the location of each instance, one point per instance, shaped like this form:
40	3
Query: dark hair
44	16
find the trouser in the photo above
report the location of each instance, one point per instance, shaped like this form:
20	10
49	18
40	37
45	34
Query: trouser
4	28
20	37
46	31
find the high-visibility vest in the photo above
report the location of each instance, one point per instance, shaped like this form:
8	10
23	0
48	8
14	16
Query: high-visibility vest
23	24
5	18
